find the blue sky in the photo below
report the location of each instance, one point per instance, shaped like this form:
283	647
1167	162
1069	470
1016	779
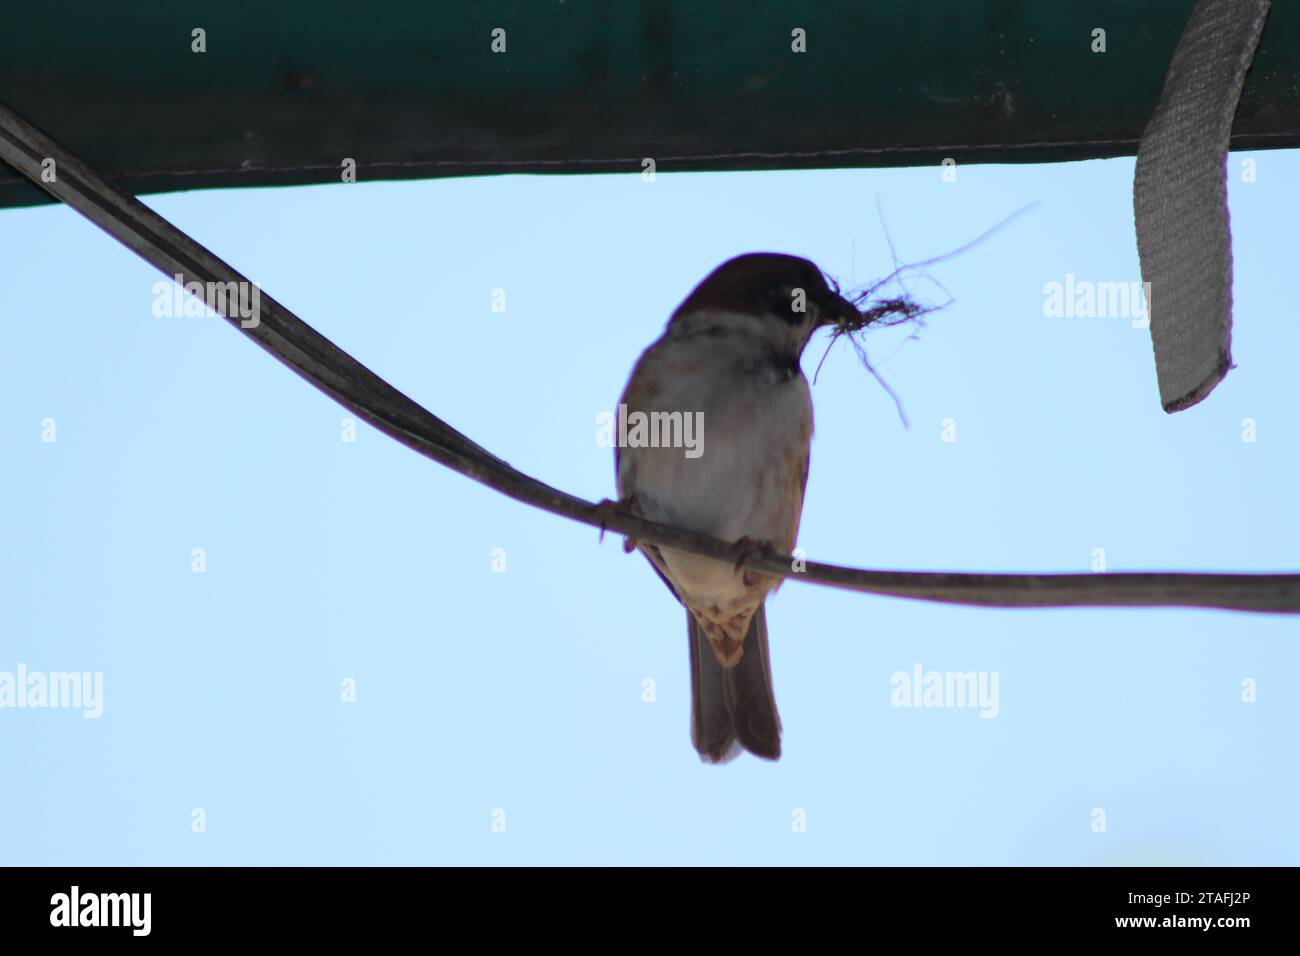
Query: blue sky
522	691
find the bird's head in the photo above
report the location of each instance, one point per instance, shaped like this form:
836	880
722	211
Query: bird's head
787	297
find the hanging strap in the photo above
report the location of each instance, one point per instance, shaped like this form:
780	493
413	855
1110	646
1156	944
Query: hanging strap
1180	201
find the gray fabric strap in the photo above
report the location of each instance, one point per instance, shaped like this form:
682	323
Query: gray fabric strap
1180	199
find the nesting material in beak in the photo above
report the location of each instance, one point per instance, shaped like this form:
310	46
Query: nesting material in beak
862	312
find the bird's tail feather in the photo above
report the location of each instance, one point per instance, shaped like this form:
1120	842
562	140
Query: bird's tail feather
733	708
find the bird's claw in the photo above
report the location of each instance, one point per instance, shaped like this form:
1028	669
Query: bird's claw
608	508
748	547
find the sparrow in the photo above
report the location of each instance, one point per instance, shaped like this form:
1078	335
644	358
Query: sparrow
728	360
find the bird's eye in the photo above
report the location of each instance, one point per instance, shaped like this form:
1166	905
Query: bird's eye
790	301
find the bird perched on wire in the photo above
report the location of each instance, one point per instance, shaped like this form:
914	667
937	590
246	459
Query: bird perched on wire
729	361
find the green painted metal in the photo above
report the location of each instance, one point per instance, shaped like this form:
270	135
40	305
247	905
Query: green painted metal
287	90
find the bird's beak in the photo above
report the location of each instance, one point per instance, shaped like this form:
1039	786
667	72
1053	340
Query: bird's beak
844	313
